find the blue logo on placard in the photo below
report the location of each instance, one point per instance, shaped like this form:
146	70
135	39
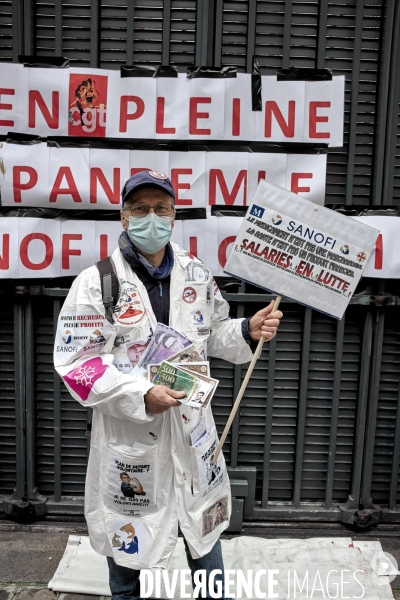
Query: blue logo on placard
257	211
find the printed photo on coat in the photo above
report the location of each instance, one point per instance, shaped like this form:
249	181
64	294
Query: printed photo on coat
132	480
131	486
215	515
208	477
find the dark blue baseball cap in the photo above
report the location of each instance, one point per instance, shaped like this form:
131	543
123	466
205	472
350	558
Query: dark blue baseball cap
146	179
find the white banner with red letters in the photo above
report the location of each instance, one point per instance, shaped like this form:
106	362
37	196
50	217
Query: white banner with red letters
95	103
31	247
99	103
300	250
92	178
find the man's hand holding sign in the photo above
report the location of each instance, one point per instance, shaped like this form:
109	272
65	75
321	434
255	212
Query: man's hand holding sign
265	323
308	253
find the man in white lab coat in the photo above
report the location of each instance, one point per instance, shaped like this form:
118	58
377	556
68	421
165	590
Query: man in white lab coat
141	429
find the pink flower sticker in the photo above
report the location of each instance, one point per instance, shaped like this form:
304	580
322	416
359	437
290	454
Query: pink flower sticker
82	379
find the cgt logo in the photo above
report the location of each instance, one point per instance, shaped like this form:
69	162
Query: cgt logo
257	211
87	105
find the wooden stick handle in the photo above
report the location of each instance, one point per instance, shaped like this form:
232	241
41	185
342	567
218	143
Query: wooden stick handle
256	356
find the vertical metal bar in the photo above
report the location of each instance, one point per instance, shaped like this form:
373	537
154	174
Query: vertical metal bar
20	442
251	35
392	118
94	33
353	500
58	43
29	352
396	459
17	8
202	33
237	382
322	31
373	398
204	46
379	144
337	375
210	24
287	33
89	421
199	31
57	415
166	32
130	27
268	421
28	26
301	412
219	14
355	83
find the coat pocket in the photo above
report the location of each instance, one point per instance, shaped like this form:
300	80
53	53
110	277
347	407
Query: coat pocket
131	487
208	478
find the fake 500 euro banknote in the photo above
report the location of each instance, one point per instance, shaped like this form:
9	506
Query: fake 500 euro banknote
196	387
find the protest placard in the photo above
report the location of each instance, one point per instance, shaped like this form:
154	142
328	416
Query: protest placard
301	250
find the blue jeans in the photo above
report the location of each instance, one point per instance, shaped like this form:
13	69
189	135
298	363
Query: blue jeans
125	585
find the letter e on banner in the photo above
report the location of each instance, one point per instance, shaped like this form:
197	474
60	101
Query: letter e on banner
6	106
305	176
188	178
207	108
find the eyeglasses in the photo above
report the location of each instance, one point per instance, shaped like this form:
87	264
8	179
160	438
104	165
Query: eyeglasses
141	210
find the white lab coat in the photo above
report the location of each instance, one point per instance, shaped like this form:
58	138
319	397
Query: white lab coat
90	354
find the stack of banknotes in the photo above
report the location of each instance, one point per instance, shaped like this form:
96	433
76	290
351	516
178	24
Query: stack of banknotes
171	359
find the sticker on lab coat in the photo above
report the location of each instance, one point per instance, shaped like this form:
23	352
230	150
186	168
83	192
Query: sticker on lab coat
128	537
197	318
129	309
131	486
189	295
79	333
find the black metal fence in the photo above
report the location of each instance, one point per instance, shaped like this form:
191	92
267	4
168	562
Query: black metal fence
318	423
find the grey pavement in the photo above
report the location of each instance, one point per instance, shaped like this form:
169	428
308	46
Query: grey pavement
29	554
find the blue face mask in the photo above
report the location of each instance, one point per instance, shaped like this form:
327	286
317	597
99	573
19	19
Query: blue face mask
150	233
